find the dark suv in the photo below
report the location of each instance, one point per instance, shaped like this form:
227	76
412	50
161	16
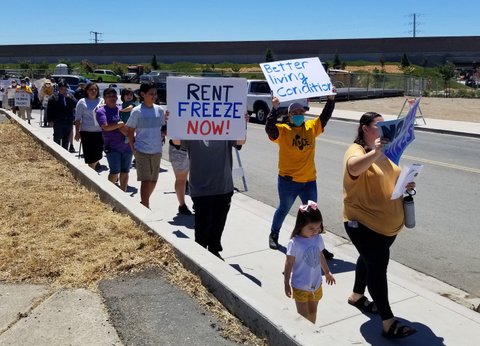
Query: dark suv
159	78
72	80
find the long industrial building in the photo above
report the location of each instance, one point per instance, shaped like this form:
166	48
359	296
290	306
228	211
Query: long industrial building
429	51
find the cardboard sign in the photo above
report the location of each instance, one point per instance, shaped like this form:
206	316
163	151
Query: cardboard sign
206	108
22	99
297	79
11	93
399	132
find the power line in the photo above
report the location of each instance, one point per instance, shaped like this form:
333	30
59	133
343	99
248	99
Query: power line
96	34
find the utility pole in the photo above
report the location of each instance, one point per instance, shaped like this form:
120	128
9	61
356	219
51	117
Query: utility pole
414	24
96	34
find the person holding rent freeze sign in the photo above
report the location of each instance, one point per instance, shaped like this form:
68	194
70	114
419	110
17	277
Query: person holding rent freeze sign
208	114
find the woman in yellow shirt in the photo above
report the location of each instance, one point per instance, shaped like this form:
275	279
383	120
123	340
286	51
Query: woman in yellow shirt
372	220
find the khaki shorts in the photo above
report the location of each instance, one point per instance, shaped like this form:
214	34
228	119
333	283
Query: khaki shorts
178	159
147	166
302	296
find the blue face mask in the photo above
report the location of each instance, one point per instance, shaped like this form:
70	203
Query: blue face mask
298	119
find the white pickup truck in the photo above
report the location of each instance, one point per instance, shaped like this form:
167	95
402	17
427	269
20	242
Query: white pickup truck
259	100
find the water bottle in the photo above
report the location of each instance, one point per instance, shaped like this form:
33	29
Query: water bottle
409	210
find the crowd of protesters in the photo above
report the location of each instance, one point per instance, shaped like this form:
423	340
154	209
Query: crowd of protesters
125	129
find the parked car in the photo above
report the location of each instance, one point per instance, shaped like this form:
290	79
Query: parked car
472	83
100	76
259	100
130	77
159	78
73	81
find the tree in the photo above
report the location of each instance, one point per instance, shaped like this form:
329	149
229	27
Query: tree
43	65
24	64
154	62
235	71
87	66
447	71
269	55
382	64
424	62
337	63
118	68
405	62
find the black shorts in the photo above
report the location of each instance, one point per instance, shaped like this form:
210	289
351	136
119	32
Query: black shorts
92	146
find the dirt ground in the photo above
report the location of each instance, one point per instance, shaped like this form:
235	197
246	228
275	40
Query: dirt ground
54	231
457	109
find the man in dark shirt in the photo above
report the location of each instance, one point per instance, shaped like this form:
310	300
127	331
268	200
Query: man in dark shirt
61	114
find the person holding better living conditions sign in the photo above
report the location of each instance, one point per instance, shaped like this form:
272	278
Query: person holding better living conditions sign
296	147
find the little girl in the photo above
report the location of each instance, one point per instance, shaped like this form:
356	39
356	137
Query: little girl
305	261
128	102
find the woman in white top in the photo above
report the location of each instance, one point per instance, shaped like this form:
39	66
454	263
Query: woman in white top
86	126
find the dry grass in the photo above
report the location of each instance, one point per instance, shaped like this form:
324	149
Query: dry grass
54	231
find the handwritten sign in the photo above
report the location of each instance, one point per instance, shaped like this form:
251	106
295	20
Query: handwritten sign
206	108
399	132
296	79
22	99
11	93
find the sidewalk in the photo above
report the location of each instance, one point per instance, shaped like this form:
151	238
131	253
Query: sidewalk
461	128
250	282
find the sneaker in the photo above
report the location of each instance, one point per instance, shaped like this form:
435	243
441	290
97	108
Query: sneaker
327	254
273	241
71	149
183	210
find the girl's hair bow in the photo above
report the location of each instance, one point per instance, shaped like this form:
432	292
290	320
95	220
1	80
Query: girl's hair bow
310	204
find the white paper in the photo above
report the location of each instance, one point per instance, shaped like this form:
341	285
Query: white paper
407	175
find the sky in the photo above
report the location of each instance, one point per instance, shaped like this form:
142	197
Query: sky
53	21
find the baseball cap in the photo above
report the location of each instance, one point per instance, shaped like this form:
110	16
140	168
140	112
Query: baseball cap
295	107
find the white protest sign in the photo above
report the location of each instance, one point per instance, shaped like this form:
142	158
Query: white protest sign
297	79
206	108
22	99
11	93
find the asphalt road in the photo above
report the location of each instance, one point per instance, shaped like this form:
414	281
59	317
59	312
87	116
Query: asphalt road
445	241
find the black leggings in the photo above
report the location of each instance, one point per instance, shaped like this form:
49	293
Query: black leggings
210	217
371	269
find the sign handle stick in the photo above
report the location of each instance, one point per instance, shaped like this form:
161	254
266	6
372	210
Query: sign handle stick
240	165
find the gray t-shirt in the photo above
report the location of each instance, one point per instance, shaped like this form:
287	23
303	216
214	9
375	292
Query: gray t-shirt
147	122
210	167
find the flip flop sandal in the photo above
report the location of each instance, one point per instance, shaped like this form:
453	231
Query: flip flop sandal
364	305
398	331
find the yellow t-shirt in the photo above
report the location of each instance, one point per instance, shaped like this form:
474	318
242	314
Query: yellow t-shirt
366	198
296	150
